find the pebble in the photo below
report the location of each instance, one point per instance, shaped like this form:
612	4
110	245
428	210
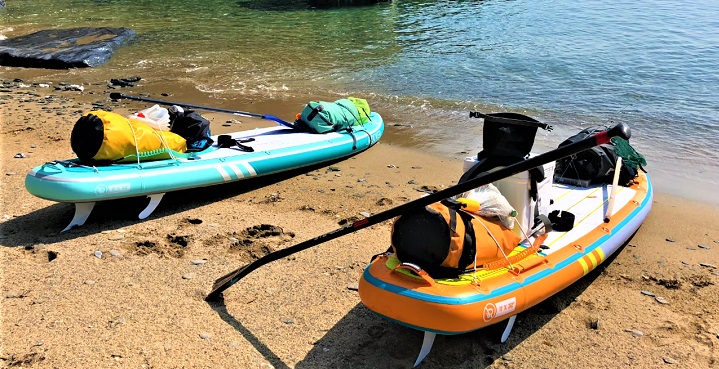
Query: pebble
117	238
89	282
670	240
188	276
333	169
669	360
233	239
391	166
287	321
704	247
365	214
361	180
507	358
711	266
685	263
635	332
353	286
648	293
199	262
594	324
10	173
205	336
412	181
661	300
115	253
98	254
20	155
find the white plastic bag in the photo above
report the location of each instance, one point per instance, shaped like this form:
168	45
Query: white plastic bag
492	204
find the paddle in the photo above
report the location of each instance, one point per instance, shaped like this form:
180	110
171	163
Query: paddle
231	278
118	96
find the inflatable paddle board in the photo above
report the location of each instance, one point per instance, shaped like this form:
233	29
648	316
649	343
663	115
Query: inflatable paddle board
407	295
276	149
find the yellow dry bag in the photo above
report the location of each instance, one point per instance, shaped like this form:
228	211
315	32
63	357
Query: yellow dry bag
104	136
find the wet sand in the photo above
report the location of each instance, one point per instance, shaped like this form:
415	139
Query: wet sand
141	303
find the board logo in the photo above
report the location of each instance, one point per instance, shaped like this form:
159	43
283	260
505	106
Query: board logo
101	190
501	308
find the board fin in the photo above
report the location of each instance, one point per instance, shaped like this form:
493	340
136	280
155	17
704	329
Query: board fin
82	212
426	346
508	328
154	201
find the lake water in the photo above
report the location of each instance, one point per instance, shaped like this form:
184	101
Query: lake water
575	63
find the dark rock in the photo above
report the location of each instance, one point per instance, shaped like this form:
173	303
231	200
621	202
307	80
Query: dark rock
64	48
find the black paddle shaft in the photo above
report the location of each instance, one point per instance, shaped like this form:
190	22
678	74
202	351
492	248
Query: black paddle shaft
229	279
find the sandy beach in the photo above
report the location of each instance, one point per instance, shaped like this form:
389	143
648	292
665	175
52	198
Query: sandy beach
119	292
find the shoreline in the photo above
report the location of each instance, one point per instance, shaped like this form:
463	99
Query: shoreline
141	304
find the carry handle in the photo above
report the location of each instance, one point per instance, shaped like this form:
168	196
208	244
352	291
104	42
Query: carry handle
416	270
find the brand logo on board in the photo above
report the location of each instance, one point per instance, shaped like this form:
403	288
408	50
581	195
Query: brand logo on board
501	308
101	190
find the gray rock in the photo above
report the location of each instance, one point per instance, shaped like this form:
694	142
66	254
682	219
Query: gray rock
661	300
188	276
648	293
205	336
365	214
64	48
98	254
199	262
704	247
115	253
287	321
706	265
669	360
20	156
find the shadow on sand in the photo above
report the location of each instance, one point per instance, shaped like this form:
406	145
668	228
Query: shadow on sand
363	339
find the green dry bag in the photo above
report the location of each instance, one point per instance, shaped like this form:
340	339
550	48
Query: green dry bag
323	116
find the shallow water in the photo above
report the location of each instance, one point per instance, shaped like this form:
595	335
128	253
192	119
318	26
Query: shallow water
428	63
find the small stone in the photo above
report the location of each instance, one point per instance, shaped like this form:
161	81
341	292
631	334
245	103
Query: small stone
361	180
199	262
670	240
594	324
325	349
233	239
10	173
365	214
391	166
118	237
333	169
705	247
188	276
115	253
635	332
661	300
648	293
20	155
353	286
89	282
205	336
287	321
669	360
98	254
711	266
411	181
685	263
